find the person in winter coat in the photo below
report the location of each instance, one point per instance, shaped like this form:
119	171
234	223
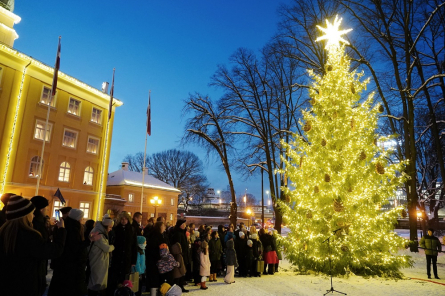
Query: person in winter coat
215	250
4	199
22	250
250	269
149	227
269	254
231	262
241	248
222	234
152	255
125	251
137	218
204	260
140	261
257	248
89	225
196	256
278	248
99	257
39	223
178	271
69	269
166	264
178	236
432	246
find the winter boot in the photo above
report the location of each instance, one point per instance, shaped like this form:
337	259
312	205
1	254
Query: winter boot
203	286
214	277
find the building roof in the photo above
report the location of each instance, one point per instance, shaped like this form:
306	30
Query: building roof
130	178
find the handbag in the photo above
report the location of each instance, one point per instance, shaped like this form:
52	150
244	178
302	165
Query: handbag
134	278
260	265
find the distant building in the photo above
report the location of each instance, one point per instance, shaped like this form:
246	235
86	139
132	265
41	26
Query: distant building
124	190
74	149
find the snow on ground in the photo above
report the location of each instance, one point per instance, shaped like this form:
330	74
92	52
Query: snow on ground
287	282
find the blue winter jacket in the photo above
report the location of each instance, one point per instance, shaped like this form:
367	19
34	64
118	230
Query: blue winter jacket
140	262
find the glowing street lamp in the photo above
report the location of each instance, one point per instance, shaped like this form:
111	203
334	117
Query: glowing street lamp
156	202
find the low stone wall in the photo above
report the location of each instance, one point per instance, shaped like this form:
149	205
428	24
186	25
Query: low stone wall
214	221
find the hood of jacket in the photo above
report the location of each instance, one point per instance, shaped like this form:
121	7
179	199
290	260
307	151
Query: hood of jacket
176	249
230	244
163	252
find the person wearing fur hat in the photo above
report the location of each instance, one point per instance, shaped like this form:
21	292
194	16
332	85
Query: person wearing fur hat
69	269
98	254
4	199
178	236
22	250
125	252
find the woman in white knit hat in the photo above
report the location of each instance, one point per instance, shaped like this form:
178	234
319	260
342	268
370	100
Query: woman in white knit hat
99	258
22	249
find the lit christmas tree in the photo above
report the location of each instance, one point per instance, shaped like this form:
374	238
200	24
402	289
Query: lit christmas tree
340	177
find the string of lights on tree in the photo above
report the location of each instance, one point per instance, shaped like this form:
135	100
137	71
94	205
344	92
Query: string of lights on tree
339	176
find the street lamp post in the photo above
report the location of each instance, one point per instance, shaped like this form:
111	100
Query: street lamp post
156	202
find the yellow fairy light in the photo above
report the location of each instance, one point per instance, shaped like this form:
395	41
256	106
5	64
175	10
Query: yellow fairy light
332	33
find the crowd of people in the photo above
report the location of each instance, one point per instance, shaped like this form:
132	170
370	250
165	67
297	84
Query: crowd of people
100	257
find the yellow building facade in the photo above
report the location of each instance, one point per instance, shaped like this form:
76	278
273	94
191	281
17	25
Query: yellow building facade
124	192
78	137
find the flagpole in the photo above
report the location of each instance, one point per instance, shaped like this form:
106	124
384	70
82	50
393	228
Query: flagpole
104	154
145	155
53	86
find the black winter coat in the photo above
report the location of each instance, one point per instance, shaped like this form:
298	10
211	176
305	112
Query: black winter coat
137	228
267	241
152	256
231	254
3	216
39	224
178	236
23	273
125	251
69	269
215	249
241	248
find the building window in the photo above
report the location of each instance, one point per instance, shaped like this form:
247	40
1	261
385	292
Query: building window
74	107
96	116
88	176
85	207
69	138
57	206
171	217
93	145
172	201
40	128
130	197
152	215
34	167
64	172
45	97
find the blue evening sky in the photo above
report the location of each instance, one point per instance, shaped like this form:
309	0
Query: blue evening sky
170	47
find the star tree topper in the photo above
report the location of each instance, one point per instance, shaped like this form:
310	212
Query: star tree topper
332	33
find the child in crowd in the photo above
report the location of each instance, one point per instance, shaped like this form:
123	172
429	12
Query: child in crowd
204	270
178	271
231	262
140	261
166	264
250	260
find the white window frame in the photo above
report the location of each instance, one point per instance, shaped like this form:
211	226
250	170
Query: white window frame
172	202
57	205
88	175
48	131
99	121
171	217
130	197
75	140
98	144
66	170
85	206
35	164
152	215
78	109
53	102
